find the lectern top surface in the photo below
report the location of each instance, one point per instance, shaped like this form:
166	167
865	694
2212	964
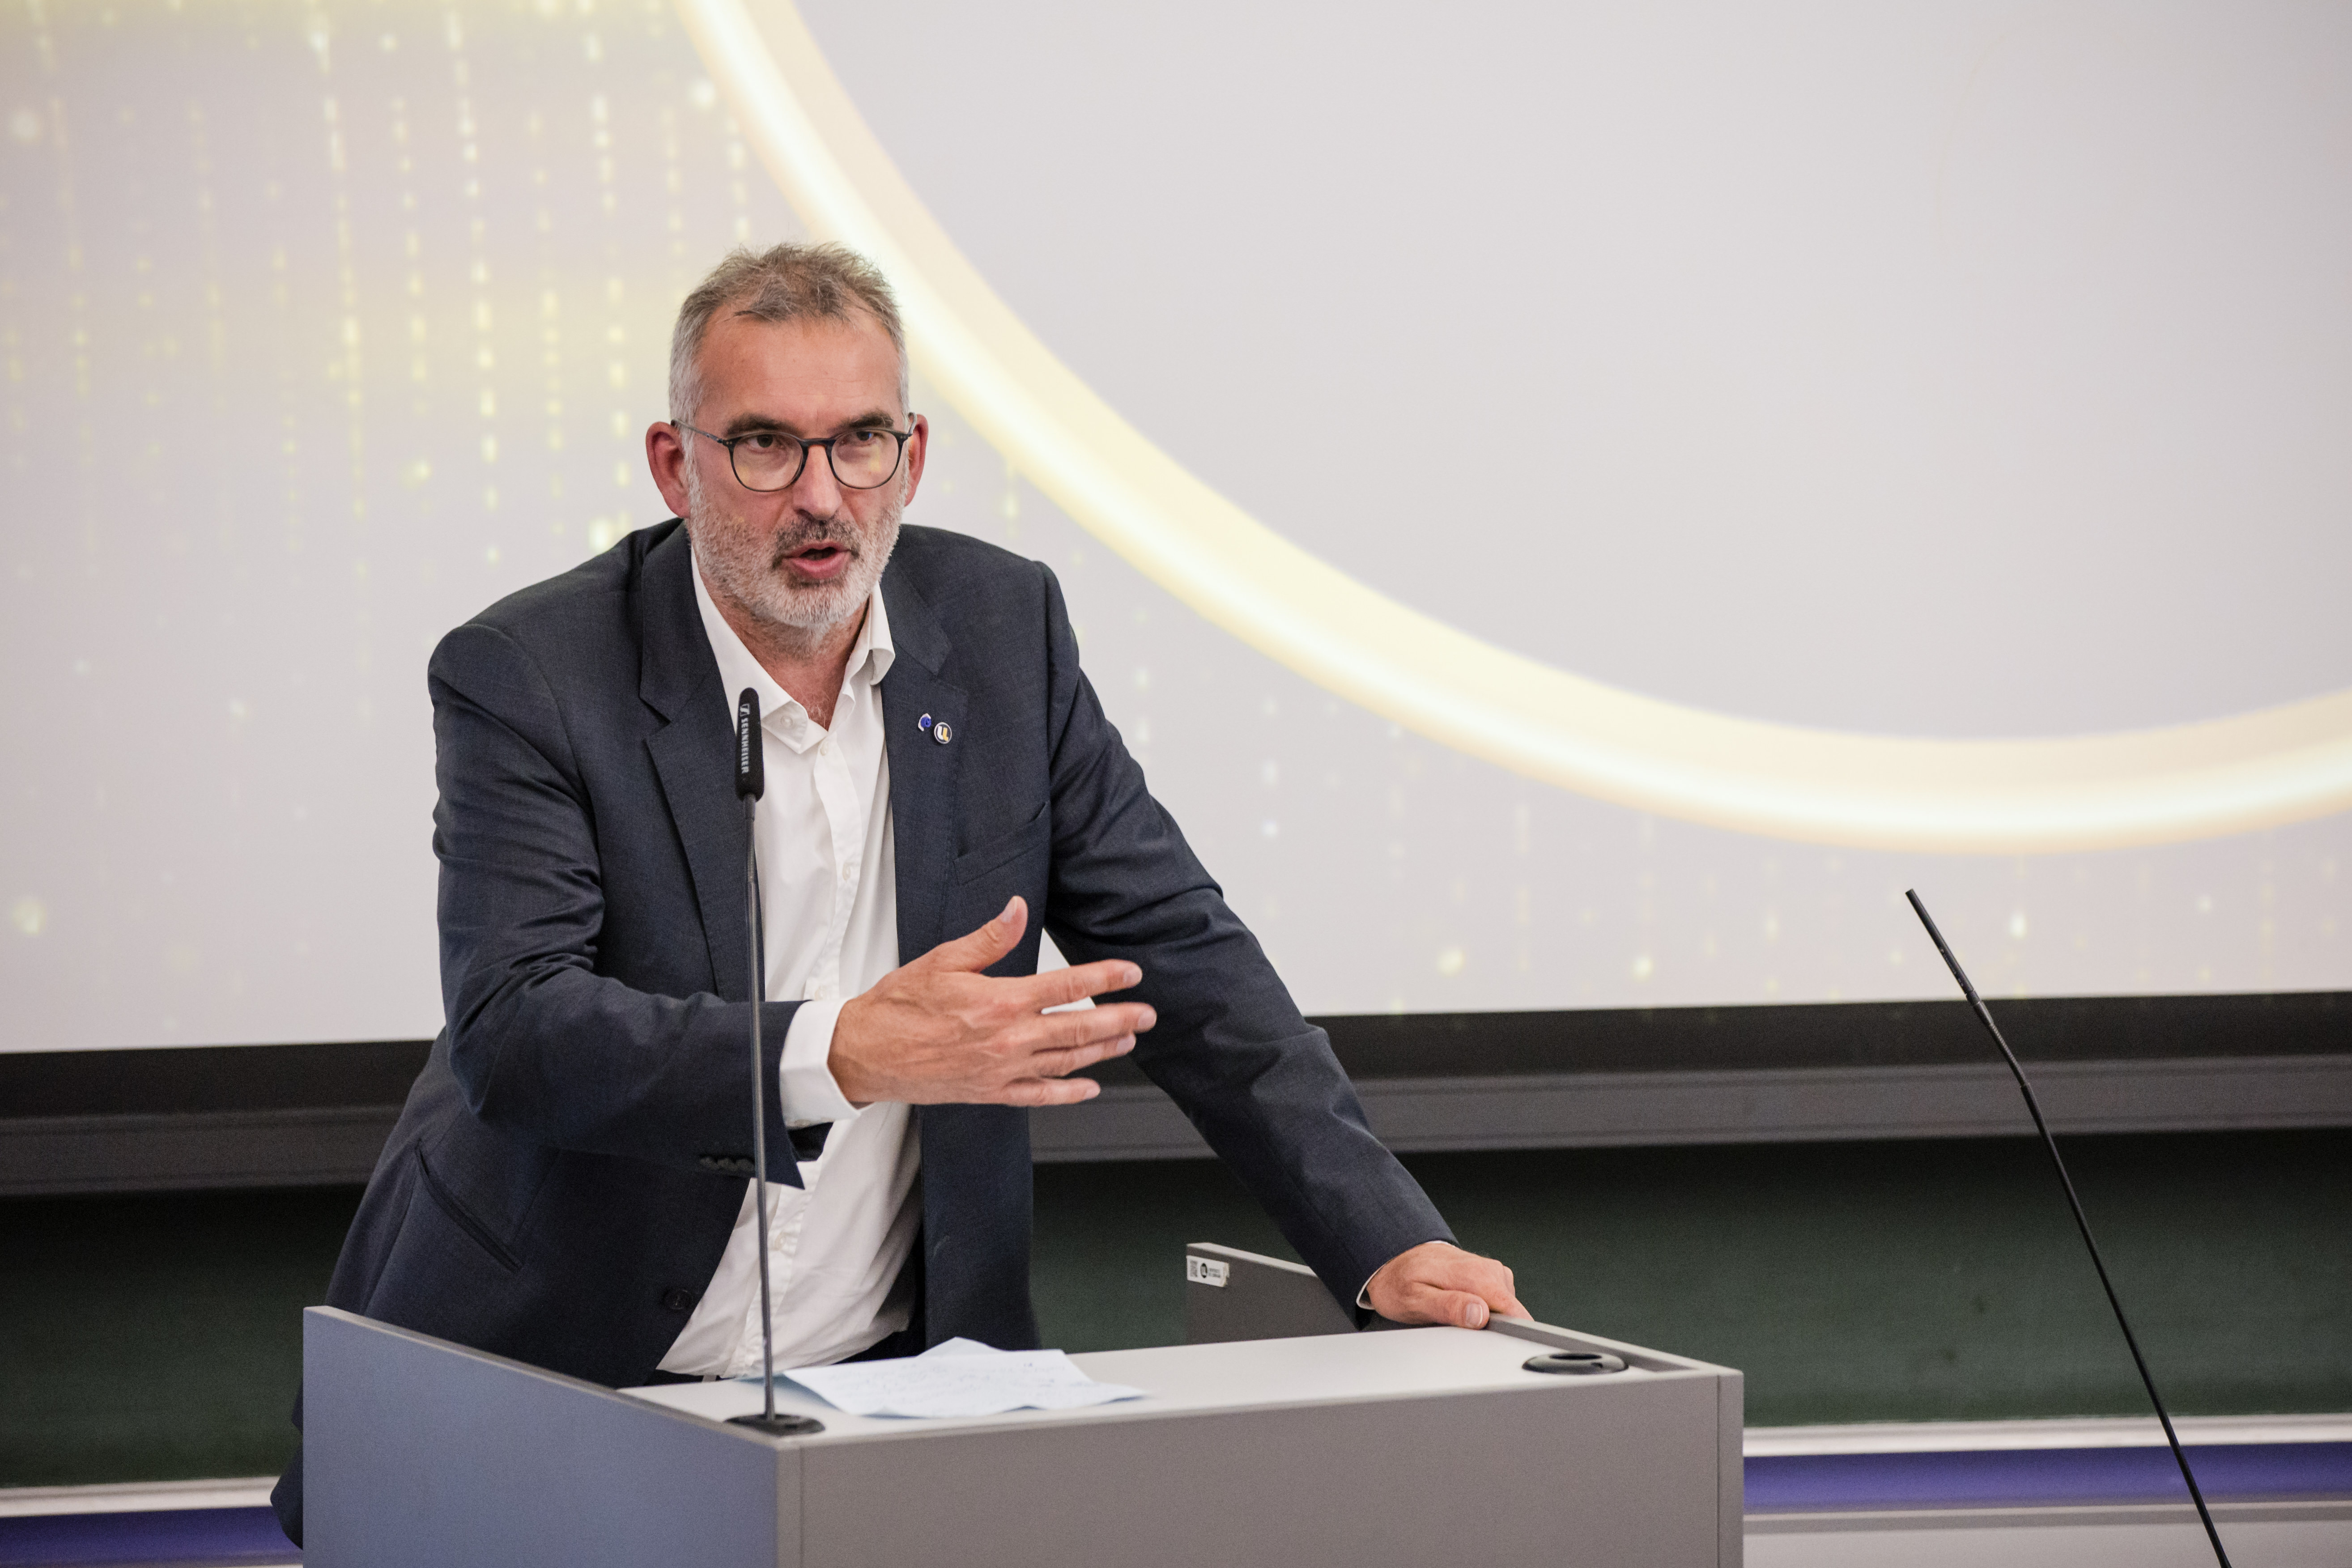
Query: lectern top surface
1407	1363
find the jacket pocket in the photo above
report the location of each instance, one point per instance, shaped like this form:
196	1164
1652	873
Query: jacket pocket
1032	837
457	1215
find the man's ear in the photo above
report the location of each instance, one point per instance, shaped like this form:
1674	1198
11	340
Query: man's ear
919	446
665	458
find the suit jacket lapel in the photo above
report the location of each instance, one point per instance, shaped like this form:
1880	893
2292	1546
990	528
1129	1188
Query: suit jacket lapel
694	755
923	777
923	771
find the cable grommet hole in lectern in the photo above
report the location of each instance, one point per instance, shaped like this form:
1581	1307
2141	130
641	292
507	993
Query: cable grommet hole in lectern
1574	1364
780	1424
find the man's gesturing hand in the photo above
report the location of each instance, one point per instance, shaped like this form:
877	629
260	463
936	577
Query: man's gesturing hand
1437	1282
938	1031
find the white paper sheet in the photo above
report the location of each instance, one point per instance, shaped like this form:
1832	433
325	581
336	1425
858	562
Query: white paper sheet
959	1377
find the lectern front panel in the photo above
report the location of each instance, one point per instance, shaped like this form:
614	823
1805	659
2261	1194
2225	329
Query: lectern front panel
417	1451
1611	1477
1369	1450
1401	1448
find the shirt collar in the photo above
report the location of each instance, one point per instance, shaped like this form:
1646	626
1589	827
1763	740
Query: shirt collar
781	713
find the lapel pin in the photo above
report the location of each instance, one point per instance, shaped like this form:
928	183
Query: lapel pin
941	733
924	722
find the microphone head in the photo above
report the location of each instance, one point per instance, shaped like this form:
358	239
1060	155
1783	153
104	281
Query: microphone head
751	766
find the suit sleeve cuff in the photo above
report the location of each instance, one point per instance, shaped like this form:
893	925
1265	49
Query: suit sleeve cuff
805	1087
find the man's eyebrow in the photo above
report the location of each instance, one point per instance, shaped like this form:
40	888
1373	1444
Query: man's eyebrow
748	424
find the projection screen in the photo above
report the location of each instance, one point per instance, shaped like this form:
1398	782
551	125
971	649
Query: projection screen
1571	508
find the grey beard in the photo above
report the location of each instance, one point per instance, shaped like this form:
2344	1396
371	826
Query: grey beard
751	573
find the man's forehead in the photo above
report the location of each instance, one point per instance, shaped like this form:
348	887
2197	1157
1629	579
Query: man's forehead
814	365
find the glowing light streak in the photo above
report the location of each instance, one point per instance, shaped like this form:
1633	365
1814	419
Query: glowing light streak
2194	781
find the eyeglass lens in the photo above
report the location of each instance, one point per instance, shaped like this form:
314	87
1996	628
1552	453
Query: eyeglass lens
862	460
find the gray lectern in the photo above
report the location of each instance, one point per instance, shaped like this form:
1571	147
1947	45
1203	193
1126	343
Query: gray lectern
1414	1446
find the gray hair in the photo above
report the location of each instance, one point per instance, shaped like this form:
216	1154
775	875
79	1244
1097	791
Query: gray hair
788	283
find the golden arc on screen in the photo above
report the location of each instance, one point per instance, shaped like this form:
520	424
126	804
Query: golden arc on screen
2280	765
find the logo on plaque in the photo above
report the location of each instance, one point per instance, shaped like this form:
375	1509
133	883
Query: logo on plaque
1205	1271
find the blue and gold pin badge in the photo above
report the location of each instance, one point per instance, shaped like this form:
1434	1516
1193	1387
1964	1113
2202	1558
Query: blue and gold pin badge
940	731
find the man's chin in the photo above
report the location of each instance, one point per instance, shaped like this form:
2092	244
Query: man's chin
818	607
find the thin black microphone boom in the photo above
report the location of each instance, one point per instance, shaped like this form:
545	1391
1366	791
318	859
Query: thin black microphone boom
750	784
2081	1222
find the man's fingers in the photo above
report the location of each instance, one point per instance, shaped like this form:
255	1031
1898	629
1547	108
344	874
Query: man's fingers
1050	1091
978	949
1068	1042
1439	1283
955	1034
1065	1031
1068	1059
1429	1303
1467	1273
1490	1285
1061	987
1062	1043
1458	1308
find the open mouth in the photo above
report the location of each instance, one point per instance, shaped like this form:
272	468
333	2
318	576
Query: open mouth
821	559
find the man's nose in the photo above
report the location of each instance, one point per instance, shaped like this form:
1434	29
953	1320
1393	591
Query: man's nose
816	492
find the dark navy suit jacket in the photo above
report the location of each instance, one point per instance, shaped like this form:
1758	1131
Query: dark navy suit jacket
564	1177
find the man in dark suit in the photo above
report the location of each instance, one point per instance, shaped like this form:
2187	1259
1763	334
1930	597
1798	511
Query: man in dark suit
567	1185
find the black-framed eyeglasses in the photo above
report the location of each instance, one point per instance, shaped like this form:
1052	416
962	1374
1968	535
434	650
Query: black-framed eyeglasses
772	460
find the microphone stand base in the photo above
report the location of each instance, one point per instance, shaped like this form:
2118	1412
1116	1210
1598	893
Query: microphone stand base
779	1424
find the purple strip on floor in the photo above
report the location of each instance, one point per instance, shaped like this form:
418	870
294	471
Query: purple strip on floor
231	1537
197	1536
1786	1483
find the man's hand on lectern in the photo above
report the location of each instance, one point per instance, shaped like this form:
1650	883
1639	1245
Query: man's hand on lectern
1437	1282
938	1031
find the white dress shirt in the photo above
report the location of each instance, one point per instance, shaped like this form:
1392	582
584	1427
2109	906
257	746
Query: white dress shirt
828	900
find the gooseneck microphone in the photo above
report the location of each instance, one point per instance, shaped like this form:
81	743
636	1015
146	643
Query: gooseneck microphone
751	759
750	783
2082	1223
